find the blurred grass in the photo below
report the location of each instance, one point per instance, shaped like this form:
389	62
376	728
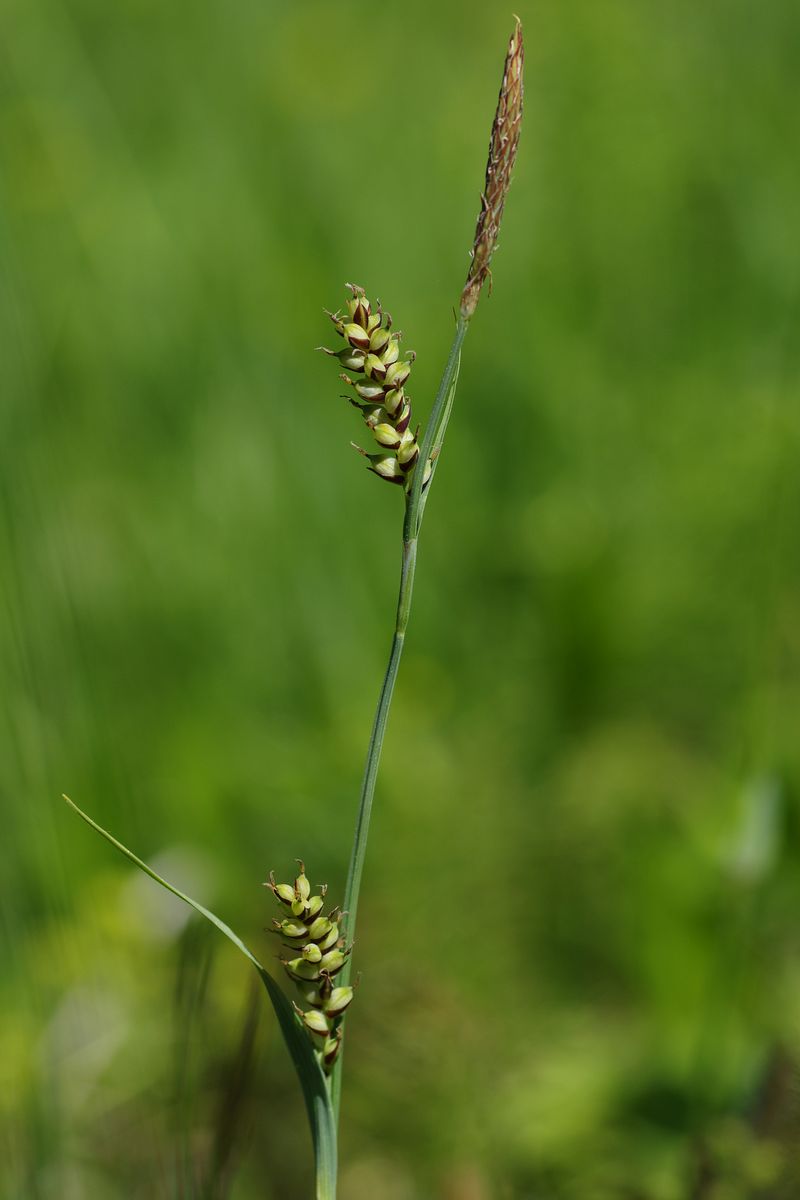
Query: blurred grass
579	929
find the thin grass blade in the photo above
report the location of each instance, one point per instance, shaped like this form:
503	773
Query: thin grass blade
312	1080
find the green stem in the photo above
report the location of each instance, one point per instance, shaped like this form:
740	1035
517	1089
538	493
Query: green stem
376	738
434	436
434	433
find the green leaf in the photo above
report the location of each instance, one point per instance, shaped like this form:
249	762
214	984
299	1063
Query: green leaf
310	1074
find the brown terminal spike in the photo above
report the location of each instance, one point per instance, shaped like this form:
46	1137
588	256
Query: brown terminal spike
502	153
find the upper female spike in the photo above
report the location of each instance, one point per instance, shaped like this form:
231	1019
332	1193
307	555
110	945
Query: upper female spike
372	351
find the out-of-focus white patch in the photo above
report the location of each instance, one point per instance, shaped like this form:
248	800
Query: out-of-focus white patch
156	911
753	849
81	1038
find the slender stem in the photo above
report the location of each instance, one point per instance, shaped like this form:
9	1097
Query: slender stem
376	738
434	432
434	436
353	886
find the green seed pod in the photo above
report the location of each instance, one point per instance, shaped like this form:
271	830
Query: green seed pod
351	360
281	891
359	308
368	390
386	466
402	418
356	336
330	1051
298	968
372	414
379	341
408	449
392	352
319	928
313	907
317	1023
331	939
386	435
324	987
373	323
374	367
338	1001
291	929
298	908
397	374
393	401
312	953
333	961
302	888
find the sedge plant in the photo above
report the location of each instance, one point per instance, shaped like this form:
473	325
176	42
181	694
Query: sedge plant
376	372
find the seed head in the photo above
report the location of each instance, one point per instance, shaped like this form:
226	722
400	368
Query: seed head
338	1001
502	153
372	353
318	950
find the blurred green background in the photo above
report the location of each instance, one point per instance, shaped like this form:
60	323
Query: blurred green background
580	925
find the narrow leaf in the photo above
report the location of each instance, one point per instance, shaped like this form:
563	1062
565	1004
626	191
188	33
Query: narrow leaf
312	1079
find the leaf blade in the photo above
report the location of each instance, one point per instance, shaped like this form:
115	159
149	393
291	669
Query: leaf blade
312	1080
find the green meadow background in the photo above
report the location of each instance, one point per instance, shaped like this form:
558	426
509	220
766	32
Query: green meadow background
580	927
